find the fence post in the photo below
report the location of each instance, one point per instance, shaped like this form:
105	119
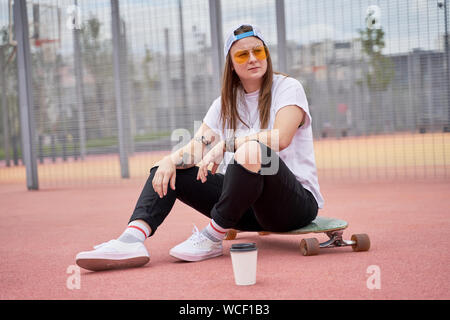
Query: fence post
215	19
79	89
281	35
27	124
115	27
185	103
4	104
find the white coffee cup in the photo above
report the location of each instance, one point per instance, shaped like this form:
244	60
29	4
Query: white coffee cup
243	258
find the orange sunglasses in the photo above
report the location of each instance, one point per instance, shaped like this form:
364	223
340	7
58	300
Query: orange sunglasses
242	56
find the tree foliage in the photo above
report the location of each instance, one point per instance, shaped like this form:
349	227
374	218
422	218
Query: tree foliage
381	69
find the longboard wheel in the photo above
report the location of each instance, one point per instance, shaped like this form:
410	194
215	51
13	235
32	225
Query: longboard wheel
309	246
231	235
362	242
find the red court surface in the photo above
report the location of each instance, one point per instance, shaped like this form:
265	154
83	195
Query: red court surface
408	223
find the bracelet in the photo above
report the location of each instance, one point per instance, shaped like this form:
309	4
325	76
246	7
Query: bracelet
229	145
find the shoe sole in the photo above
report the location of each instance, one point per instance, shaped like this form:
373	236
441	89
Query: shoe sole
187	257
95	264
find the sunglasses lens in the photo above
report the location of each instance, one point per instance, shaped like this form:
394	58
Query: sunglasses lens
259	53
241	56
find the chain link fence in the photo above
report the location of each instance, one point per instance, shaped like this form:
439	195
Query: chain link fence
118	84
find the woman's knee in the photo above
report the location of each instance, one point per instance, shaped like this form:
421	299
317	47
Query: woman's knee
249	155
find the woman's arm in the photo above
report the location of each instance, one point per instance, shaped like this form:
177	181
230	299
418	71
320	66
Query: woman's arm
192	153
287	121
183	158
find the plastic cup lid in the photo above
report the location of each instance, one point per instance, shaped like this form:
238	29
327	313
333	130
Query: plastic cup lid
240	247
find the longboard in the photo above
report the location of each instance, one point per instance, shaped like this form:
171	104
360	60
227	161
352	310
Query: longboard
332	227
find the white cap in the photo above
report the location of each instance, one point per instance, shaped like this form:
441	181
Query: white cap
231	37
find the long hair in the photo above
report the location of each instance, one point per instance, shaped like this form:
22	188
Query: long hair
231	84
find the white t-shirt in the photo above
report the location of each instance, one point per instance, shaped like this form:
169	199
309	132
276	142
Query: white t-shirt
299	155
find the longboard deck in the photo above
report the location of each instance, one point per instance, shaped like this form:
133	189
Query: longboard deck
318	225
331	226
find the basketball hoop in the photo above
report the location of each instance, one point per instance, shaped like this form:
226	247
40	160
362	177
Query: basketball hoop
318	68
40	33
39	42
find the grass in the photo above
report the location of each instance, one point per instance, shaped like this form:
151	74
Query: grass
400	155
93	144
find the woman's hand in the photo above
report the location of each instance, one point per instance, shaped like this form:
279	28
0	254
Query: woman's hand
214	156
165	173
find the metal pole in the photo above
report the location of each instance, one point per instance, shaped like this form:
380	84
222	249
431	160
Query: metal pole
447	55
167	87
184	102
215	20
115	27
4	103
125	85
62	113
281	36
27	124
79	89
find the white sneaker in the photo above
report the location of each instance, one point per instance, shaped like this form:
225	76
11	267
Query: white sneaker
113	254
196	248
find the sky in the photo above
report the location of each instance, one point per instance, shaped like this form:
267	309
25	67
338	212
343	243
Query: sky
408	23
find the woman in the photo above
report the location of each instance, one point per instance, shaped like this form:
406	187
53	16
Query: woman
259	131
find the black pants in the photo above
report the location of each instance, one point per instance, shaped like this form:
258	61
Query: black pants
240	199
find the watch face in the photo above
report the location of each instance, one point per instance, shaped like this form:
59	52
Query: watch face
205	141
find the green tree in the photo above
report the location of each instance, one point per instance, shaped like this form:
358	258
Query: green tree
378	75
10	92
97	59
381	70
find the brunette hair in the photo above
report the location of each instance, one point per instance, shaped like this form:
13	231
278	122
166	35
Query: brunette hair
231	84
